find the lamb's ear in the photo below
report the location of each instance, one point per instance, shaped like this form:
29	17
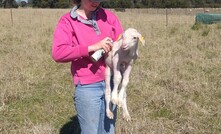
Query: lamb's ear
141	39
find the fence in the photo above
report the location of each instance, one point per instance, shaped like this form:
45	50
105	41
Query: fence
175	11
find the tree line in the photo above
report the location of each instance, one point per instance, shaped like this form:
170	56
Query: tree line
120	3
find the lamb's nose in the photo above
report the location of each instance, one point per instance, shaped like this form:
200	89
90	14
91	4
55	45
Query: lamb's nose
123	45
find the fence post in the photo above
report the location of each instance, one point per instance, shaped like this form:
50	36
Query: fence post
11	16
166	17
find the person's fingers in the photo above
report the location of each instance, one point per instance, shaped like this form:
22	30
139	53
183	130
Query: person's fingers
106	44
110	43
106	48
108	39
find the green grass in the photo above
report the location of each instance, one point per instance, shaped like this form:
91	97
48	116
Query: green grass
175	85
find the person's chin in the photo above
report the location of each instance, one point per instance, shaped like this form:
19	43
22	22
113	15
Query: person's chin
93	8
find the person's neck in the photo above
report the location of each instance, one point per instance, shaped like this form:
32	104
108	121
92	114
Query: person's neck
84	13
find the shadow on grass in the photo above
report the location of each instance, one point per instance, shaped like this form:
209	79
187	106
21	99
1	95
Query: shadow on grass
71	127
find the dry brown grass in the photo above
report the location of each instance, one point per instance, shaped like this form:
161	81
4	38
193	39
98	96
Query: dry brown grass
175	85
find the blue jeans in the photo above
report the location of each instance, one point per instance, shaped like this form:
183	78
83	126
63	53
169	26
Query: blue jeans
90	105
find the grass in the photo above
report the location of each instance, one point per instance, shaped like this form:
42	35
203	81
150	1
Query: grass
175	84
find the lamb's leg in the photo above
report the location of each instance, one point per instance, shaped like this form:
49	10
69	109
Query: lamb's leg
125	82
109	112
117	80
126	114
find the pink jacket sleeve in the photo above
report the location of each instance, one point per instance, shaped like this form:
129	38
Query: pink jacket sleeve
63	48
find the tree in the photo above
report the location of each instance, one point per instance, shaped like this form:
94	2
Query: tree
9	4
36	3
4	3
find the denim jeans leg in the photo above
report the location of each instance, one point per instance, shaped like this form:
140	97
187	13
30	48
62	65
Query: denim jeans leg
88	102
107	126
90	105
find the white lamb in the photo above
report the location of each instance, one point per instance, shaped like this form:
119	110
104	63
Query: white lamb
119	64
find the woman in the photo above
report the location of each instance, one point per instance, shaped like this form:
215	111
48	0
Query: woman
78	34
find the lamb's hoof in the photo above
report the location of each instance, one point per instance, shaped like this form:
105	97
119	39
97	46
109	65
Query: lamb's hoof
114	101
127	117
110	115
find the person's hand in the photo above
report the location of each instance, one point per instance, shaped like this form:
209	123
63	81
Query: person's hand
105	44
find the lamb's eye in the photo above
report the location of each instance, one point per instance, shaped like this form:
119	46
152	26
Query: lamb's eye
134	38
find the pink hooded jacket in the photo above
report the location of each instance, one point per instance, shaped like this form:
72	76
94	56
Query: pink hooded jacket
73	35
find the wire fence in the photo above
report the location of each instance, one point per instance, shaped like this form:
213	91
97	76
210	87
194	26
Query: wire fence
17	15
174	11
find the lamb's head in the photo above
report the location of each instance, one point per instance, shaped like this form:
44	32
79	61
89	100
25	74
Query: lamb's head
130	39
